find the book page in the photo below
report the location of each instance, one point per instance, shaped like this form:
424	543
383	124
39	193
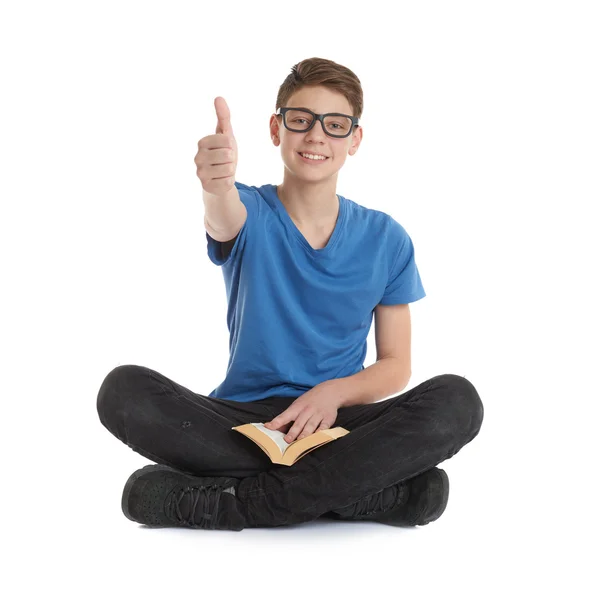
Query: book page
276	436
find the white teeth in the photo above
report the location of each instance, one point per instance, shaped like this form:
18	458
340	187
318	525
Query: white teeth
313	156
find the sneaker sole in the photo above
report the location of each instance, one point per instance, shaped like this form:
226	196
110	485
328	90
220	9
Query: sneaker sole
132	479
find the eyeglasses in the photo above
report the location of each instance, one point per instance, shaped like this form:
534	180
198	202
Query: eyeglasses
335	125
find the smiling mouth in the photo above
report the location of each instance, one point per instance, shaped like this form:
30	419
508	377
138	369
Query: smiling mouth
322	160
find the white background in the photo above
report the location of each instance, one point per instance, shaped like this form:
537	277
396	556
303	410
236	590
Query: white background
481	137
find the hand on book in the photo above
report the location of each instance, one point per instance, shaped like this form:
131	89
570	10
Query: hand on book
313	411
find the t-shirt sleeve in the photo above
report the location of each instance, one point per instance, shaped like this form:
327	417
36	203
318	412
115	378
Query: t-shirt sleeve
220	253
404	283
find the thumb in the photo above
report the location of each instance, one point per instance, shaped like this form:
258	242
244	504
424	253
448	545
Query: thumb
223	116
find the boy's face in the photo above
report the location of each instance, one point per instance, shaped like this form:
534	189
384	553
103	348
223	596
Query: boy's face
320	100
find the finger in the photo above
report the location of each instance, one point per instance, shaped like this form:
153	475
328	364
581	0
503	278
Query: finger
223	116
282	419
296	429
310	427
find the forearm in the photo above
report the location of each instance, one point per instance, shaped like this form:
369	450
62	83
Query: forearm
382	379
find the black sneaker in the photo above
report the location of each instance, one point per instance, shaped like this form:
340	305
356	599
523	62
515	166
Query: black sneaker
160	496
415	501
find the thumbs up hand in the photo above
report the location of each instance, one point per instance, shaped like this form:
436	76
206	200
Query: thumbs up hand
216	160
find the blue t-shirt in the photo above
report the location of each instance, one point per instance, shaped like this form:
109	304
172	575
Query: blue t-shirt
299	316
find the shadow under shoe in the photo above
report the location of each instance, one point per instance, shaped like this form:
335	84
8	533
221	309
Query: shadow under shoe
159	496
415	501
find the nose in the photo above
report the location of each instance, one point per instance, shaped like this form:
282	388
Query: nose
317	132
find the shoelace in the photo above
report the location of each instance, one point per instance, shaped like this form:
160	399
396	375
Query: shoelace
207	520
375	503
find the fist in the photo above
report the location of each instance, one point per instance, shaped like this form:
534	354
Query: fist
216	159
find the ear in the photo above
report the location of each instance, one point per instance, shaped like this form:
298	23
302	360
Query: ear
274	125
356	140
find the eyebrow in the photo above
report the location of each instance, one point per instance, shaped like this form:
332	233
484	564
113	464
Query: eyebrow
312	110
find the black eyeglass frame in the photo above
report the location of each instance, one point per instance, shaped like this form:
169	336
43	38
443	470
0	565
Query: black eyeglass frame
316	117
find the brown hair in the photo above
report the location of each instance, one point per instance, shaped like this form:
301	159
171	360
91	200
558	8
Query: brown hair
320	71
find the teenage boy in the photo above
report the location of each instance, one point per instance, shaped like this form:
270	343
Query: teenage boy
305	271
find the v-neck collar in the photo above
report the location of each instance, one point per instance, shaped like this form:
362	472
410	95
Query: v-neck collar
289	223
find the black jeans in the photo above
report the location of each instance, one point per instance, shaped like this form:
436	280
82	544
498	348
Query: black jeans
389	441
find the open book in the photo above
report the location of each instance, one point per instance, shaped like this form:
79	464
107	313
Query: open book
279	451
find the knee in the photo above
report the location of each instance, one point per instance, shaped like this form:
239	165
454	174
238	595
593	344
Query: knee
114	394
462	396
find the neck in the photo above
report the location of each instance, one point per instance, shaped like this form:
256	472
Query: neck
310	205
